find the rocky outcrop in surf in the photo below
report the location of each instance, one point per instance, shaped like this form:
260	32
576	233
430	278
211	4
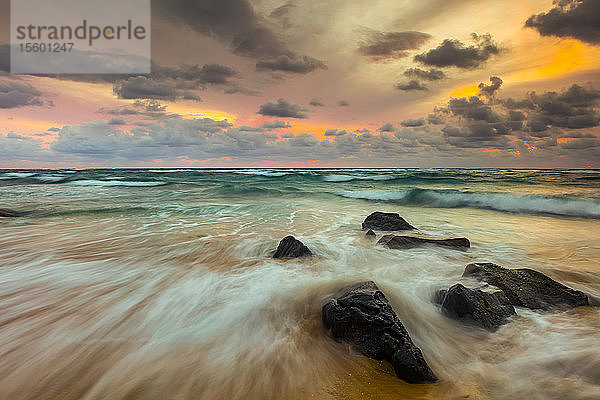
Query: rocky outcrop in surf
290	247
362	315
408	242
381	221
488	310
526	287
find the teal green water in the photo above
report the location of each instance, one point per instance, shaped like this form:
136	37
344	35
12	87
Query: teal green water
159	284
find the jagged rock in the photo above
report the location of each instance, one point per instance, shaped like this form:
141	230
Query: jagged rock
386	222
527	288
362	315
408	242
370	233
489	310
290	247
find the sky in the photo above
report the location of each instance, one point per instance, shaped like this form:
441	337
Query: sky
323	84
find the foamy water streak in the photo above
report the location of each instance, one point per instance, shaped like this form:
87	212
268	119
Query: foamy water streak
169	291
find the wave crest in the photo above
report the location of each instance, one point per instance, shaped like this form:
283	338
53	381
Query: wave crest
525	204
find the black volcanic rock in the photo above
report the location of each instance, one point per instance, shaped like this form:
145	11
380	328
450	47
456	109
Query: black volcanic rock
488	310
290	247
386	222
527	288
362	315
408	242
370	233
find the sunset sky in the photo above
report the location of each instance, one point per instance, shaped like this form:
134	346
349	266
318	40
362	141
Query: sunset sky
312	83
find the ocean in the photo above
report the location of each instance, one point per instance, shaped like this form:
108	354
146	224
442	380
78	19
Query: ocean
159	283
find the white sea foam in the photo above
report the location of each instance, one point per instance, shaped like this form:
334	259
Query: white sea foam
348	178
17	175
50	178
92	182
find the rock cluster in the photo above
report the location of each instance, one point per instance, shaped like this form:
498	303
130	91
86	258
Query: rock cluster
361	314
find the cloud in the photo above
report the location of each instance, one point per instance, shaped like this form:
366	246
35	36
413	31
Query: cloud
413	122
117	121
382	46
578	19
411	86
492	88
343	103
387	127
435	119
15	94
431	75
283	109
294	64
146	107
454	53
18	148
574	108
335	132
235	22
316	102
275	124
207	74
473	108
141	87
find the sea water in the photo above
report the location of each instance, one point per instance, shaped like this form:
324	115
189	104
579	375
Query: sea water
159	284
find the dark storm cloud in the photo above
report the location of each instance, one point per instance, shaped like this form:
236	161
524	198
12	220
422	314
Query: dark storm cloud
431	75
16	94
316	102
381	46
574	108
236	23
578	19
410	86
282	108
233	21
473	108
207	74
141	87
513	104
285	63
454	53
492	88
343	103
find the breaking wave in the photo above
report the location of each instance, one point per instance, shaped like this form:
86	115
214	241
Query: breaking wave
526	204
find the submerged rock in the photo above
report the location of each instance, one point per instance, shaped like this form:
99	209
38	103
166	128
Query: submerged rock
4	212
408	242
488	310
362	315
527	288
386	222
370	233
290	247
